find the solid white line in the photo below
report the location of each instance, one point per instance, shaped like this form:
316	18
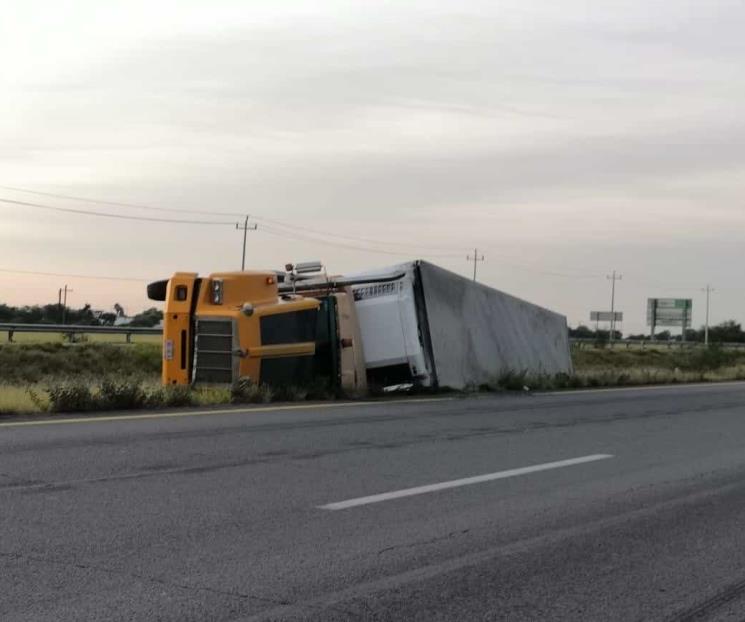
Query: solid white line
647	387
209	413
468	481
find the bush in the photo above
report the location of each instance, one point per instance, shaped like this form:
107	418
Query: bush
289	393
121	395
512	381
323	389
177	396
710	358
171	396
71	397
246	391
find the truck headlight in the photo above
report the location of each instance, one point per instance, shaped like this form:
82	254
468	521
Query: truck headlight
217	291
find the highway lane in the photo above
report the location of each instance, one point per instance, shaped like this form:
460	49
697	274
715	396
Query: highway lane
608	505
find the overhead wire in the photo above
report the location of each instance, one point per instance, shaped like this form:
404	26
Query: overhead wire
75	276
356	247
277	228
70	197
274	221
563	275
507	261
303	229
71	210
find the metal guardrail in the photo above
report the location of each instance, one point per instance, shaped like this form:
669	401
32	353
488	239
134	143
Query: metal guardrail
79	329
70	330
648	343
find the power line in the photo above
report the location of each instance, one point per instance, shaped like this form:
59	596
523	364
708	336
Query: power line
301	228
278	223
81	212
118	203
75	276
503	259
356	247
296	232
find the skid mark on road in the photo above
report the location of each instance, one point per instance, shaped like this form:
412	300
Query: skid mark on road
704	609
419	574
33	559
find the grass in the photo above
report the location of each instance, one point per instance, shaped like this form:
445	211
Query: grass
693	359
603	367
24	338
57	377
42	362
18	400
83	394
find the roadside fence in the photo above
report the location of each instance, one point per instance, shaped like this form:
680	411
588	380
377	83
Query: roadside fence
70	331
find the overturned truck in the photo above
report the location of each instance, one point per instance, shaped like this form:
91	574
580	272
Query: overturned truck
412	324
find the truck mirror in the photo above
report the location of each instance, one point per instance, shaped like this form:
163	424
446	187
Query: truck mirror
157	290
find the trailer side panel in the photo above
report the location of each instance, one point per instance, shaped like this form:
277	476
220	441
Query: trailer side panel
479	333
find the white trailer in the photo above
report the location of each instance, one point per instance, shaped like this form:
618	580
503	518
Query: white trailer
435	328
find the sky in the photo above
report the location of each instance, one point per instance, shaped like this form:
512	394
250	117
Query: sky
563	140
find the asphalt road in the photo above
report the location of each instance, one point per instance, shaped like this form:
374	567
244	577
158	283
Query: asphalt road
612	505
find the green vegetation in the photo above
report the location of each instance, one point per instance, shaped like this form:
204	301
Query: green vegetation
52	377
726	332
44	362
692	359
86	315
603	367
16	399
62	338
84	396
130	394
39	377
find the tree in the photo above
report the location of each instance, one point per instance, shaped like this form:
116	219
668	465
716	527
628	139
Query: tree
50	314
581	332
727	332
84	316
148	318
107	318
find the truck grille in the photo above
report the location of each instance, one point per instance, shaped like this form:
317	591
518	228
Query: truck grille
213	360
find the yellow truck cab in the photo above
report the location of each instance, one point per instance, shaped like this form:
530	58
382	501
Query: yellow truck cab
232	325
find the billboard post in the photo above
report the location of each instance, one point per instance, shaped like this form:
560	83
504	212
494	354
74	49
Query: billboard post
671	312
606	316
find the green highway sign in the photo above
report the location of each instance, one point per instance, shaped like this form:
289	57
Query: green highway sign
669	312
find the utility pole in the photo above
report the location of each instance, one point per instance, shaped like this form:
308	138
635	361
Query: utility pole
709	289
614	277
63	301
475	259
245	229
